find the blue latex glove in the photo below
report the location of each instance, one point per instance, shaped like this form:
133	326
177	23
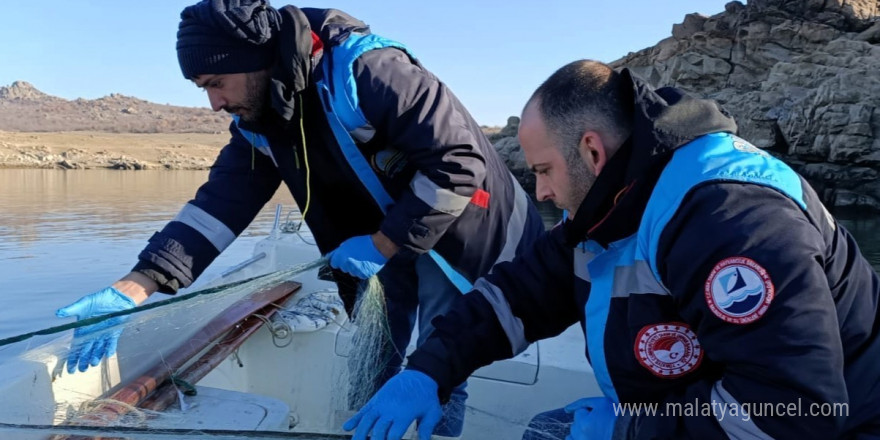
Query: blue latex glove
91	343
594	419
357	256
406	397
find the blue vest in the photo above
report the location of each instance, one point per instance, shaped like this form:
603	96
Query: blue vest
337	89
630	265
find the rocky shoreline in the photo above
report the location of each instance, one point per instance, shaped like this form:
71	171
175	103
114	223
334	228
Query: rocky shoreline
122	151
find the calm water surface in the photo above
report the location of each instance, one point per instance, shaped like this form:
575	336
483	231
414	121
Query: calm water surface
64	234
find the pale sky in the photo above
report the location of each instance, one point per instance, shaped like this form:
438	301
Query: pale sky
492	53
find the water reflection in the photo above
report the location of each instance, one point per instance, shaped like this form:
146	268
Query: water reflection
67	233
865	230
50	204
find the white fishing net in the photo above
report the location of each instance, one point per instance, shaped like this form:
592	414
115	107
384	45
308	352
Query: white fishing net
165	348
370	345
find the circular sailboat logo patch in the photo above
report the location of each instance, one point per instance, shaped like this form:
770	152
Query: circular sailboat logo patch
739	290
668	350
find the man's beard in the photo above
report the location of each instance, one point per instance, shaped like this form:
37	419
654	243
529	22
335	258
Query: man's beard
580	180
257	99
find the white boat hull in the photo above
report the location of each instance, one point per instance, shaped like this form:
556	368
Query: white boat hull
300	387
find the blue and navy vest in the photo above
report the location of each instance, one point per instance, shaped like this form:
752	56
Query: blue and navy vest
629	266
338	93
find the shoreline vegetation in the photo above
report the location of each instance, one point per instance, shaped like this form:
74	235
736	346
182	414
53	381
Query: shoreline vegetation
122	151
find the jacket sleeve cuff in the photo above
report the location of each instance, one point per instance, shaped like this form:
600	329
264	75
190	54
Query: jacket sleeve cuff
400	237
418	362
166	284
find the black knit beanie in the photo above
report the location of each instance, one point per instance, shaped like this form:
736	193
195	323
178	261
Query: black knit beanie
226	36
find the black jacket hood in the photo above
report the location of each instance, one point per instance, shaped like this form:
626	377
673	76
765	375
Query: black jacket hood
295	65
664	119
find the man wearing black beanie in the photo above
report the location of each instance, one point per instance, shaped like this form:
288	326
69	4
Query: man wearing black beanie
392	174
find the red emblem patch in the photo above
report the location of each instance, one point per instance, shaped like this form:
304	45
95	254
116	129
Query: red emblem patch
668	350
738	290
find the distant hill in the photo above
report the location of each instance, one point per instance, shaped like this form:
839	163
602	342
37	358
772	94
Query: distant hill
38	130
24	108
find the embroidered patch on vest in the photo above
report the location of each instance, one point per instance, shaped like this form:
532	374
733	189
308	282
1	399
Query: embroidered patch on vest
668	350
739	290
746	147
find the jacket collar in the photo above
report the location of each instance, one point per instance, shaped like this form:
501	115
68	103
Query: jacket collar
296	63
663	120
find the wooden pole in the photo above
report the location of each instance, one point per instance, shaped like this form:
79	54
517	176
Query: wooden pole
120	402
166	394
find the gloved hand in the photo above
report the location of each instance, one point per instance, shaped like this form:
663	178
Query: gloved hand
357	256
91	343
406	397
594	419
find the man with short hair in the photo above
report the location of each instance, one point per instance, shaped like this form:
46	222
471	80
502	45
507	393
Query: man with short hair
702	270
392	174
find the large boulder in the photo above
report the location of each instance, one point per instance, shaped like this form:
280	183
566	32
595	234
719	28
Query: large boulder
802	78
509	149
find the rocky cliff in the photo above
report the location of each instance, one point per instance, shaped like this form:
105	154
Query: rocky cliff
802	78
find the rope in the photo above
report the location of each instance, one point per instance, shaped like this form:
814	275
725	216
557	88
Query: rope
302	131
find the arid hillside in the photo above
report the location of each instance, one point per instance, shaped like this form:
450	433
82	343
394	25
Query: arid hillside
38	130
26	109
120	132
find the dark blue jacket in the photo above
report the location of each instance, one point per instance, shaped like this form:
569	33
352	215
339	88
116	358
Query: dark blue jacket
753	295
452	191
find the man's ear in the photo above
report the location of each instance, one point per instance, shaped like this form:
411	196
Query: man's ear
593	151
